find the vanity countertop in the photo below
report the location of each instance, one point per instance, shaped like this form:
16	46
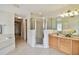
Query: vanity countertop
62	36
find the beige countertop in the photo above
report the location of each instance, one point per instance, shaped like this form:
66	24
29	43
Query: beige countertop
62	36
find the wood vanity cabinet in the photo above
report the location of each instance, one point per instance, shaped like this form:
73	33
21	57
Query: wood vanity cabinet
53	42
68	45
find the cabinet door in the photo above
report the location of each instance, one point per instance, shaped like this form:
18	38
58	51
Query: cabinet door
50	41
62	44
75	47
53	42
65	45
68	45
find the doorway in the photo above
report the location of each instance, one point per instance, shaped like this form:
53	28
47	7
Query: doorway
19	32
26	28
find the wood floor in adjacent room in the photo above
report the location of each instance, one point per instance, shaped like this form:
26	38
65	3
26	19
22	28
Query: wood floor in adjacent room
23	49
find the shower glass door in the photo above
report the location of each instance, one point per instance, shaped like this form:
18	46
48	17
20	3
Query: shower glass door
39	31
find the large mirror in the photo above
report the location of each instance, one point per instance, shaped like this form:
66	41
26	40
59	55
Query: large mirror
51	24
71	24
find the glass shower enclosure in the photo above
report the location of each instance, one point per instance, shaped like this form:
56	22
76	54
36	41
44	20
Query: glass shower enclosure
37	24
40	28
39	31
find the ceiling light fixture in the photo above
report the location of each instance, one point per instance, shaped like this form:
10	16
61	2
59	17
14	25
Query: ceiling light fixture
66	14
70	13
76	13
62	15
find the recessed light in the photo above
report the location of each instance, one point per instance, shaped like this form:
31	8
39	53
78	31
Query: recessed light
18	17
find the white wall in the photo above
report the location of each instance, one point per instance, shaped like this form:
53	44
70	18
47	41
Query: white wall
7	20
30	34
7	37
10	29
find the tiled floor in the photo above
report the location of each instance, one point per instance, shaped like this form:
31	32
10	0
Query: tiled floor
23	49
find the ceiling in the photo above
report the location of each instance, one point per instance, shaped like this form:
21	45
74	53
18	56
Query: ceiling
44	9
